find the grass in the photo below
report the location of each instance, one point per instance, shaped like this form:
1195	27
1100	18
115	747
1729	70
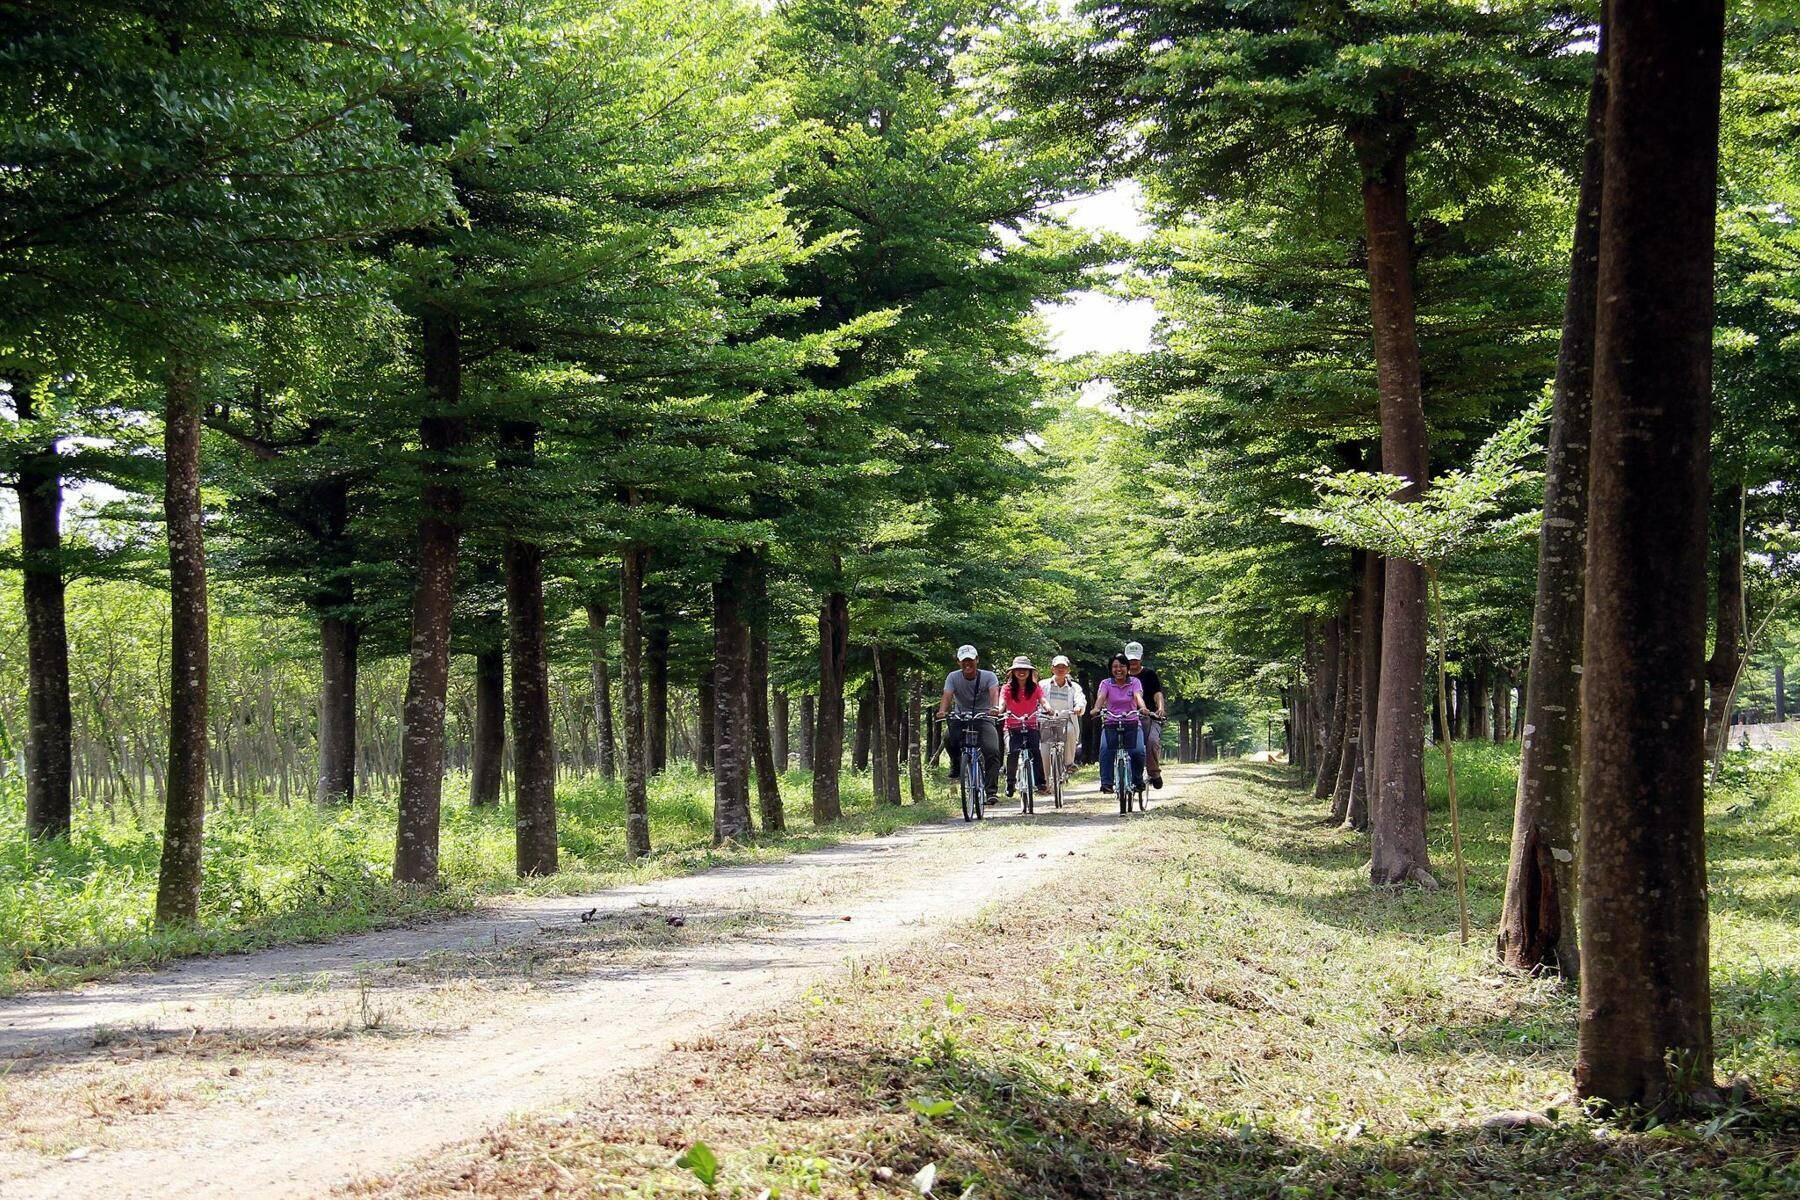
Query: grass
1215	1004
79	909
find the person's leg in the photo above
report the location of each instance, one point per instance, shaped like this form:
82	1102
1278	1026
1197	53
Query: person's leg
953	745
1107	734
990	750
1137	758
1153	752
1015	740
1033	762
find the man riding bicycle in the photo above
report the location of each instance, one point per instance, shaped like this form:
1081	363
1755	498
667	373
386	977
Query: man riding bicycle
972	690
1153	700
1064	698
1120	700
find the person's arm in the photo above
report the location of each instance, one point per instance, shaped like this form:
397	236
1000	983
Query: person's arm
944	704
1162	713
994	698
1137	694
1079	705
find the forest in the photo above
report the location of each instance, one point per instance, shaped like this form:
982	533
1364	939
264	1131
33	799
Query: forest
507	449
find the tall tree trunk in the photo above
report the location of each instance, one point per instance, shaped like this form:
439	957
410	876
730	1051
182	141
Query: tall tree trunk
184	786
1646	1008
1728	614
762	745
1398	825
488	749
1374	604
1502	706
534	734
865	727
808	729
338	640
434	596
891	724
601	674
1780	690
1479	693
706	703
1537	924
915	758
631	667
828	740
1350	698
1337	666
49	748
657	716
730	688
781	719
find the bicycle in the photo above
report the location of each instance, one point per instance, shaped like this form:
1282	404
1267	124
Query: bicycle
1017	747
1053	735
973	775
1137	787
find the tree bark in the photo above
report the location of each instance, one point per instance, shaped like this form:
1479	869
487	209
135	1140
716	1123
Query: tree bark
184	781
1780	690
768	781
534	734
807	730
890	724
730	692
1502	706
1350	699
706	702
1646	1010
631	666
487	751
1728	614
1374	576
915	758
601	674
865	728
49	748
828	739
1337	666
1537	923
434	596
1398	818
338	640
657	718
781	719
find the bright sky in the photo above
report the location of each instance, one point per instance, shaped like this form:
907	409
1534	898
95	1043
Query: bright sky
1091	323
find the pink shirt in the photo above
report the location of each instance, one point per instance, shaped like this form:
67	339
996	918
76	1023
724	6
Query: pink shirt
1022	710
1117	698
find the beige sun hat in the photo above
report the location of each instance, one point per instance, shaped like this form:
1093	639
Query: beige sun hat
1022	663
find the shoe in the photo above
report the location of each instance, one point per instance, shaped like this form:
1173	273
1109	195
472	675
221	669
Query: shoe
1156	781
1105	791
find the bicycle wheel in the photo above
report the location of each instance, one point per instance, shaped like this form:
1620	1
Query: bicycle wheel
1030	773
969	784
1056	778
1122	780
980	796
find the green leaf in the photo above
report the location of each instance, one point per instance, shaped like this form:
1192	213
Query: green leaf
932	1108
700	1159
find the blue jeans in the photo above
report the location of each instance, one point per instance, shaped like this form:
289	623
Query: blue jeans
1109	747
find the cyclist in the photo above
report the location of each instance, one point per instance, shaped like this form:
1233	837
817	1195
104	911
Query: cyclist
1064	698
1023	700
1119	697
972	690
1153	700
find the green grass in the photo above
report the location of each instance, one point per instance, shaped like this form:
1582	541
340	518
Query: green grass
78	909
1215	1005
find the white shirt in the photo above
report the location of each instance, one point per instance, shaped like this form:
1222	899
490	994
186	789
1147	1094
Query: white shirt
1064	697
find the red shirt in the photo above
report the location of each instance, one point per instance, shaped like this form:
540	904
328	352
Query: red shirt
1023	710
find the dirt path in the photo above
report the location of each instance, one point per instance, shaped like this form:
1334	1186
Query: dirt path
288	1072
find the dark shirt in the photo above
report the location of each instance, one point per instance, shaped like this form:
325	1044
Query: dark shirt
1152	685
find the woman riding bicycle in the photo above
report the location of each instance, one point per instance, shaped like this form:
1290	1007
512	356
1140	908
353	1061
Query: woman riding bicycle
1120	700
1023	700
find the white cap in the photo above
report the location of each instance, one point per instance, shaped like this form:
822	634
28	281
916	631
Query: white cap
966	652
1061	660
1023	663
1134	650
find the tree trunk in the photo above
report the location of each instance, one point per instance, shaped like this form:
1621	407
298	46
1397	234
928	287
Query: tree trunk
1350	699
1646	1009
768	781
1502	706
1537	923
631	666
1780	690
49	748
184	785
706	704
338	639
807	730
915	758
1398	817
1374	578
657	717
891	726
1728	615
728	685
534	734
488	749
781	719
865	728
828	740
434	596
1337	666
601	675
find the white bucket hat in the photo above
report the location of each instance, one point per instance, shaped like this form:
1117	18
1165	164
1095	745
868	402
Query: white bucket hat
1134	650
1061	660
1022	663
966	652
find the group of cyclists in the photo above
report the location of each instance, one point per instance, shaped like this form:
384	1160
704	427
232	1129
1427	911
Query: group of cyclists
1043	719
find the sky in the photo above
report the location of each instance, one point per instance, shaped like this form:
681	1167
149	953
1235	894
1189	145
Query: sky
1089	322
